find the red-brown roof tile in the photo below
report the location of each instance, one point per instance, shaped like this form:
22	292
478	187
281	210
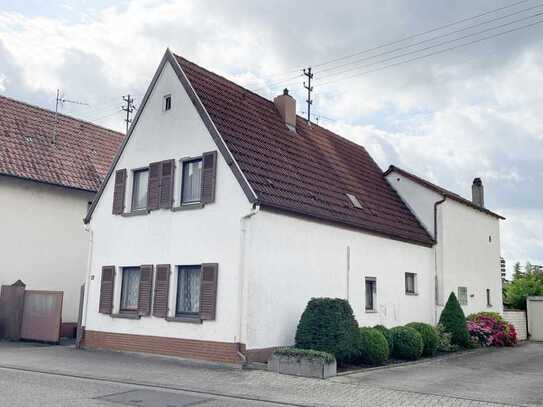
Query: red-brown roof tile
307	173
80	158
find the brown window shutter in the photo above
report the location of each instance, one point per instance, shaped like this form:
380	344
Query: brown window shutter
146	290
208	291
162	288
106	289
153	187
119	191
166	183
209	173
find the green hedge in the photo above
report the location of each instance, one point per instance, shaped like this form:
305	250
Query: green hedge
305	353
430	337
408	343
454	321
371	347
328	325
388	336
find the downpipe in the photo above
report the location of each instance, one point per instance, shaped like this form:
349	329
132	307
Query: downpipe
436	280
87	285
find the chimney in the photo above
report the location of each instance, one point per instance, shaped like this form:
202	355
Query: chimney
286	105
478	193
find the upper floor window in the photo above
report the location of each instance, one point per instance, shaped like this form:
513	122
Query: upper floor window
410	283
188	290
130	289
371	293
463	295
167	103
139	190
192	181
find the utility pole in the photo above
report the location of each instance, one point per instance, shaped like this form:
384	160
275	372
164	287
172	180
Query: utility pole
129	108
307	72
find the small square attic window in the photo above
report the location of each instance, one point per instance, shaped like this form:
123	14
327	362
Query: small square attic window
167	105
354	200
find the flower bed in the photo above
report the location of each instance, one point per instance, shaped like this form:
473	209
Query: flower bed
490	329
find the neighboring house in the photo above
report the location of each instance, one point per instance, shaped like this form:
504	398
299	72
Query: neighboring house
224	213
467	253
50	170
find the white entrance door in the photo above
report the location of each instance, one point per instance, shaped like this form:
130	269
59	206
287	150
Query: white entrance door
535	318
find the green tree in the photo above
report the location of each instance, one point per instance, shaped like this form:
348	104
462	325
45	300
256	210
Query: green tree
453	320
517	291
528	269
517	271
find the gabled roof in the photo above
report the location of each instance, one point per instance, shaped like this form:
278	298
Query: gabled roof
308	173
442	191
78	159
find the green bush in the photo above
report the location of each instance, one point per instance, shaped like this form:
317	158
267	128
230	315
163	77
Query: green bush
454	321
445	344
429	337
493	315
388	336
408	343
371	347
328	325
305	353
517	291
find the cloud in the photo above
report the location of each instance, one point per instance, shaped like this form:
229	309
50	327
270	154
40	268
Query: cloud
472	112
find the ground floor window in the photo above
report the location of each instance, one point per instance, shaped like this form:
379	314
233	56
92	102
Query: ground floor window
463	295
410	283
130	288
488	302
188	290
371	293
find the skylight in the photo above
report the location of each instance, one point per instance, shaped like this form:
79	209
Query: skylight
354	200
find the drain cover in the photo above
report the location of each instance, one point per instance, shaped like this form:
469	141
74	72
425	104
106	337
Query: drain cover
150	398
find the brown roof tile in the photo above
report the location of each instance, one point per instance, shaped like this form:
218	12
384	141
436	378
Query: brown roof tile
80	158
308	173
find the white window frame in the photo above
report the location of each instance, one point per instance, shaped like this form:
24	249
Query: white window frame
459	297
415	285
133	182
373	294
164	102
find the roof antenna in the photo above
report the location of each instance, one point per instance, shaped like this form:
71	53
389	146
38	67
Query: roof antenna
307	72
61	100
129	108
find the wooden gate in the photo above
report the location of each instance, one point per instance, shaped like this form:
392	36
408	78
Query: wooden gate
11	310
42	313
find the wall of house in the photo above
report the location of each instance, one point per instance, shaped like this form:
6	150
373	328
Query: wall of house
290	260
189	237
42	241
471	256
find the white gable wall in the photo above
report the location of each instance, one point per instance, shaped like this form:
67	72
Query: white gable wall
291	259
42	240
209	234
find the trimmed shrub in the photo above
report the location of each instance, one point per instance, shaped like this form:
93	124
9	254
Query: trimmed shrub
388	336
490	329
371	347
445	344
429	337
454	321
328	325
408	343
305	353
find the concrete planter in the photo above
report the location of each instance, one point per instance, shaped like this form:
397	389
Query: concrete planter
301	366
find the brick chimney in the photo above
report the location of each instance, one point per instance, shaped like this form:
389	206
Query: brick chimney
478	193
286	105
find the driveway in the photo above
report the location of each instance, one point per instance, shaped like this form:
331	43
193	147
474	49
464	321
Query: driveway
506	375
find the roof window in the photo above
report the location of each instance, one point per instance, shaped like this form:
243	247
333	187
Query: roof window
354	200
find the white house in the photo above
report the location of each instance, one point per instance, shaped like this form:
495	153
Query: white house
224	213
50	170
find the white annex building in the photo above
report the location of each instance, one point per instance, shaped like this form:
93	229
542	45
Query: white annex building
224	213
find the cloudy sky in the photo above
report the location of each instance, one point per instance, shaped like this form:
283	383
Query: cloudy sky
471	111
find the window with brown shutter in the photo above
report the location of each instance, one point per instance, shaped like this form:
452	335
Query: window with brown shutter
119	191
162	289
106	290
208	291
166	183
153	186
145	290
209	172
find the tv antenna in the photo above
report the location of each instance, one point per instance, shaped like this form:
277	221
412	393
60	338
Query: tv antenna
60	101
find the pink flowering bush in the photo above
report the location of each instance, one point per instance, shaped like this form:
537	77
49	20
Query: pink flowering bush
490	329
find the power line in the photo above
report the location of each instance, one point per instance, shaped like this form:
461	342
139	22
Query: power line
434	53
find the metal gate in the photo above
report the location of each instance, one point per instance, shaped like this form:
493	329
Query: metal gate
42	313
535	318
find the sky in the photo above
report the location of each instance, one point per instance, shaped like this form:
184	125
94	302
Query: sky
473	111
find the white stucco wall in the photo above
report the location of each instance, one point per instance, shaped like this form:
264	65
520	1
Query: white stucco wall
469	259
291	260
42	241
209	234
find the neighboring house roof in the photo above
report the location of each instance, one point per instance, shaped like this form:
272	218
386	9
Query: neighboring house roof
308	173
442	191
79	158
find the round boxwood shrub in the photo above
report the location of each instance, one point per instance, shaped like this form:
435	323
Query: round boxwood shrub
429	335
328	325
388	336
408	343
454	321
371	347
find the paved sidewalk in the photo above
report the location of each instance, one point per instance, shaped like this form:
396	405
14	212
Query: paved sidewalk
113	367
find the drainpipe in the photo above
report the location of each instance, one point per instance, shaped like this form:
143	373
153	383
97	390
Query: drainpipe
436	293
87	280
243	281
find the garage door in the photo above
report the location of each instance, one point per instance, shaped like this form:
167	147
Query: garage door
535	318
